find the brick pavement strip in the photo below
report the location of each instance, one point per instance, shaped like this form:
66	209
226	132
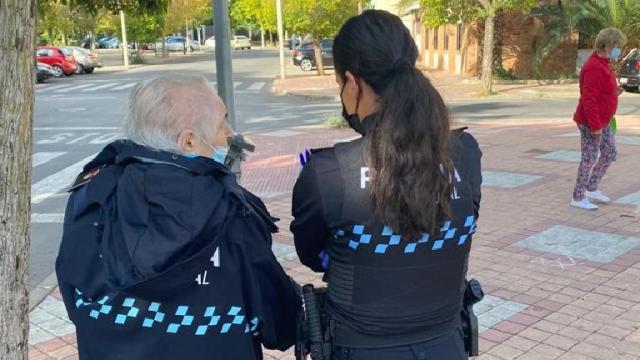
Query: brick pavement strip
561	283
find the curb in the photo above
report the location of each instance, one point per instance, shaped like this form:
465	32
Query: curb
524	82
277	91
43	290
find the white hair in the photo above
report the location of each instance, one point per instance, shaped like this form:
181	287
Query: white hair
611	37
161	109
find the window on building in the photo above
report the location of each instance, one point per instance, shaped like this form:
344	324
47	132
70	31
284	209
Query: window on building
435	38
459	34
426	38
446	37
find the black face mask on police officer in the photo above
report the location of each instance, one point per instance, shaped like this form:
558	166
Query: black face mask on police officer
352	119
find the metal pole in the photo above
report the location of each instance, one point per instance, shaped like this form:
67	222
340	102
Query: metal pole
280	38
125	46
224	69
199	38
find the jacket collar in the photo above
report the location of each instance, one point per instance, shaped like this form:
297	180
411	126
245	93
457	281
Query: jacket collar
122	152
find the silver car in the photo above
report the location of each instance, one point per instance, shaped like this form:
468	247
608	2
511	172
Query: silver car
86	60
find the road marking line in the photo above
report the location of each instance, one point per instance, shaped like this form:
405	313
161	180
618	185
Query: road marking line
52	218
76	128
104	86
74	88
40	158
236	84
54	87
257	86
54	183
125	86
76	98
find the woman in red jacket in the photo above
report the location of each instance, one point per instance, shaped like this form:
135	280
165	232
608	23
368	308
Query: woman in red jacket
598	104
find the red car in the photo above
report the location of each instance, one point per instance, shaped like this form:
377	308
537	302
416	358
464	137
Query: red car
61	60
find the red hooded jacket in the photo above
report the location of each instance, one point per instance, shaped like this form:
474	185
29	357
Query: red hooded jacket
598	94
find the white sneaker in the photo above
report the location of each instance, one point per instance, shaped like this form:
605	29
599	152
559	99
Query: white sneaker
598	196
584	204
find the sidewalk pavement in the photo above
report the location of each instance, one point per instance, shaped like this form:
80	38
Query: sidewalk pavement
452	87
561	283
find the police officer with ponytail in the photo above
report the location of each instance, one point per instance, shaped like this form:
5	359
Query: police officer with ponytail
389	217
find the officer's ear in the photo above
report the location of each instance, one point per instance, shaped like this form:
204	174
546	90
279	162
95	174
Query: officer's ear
186	141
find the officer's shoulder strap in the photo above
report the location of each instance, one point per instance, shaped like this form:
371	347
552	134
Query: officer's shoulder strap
85	177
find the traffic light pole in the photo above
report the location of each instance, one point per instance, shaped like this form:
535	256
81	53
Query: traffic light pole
224	70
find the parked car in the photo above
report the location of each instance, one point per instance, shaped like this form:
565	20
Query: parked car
86	43
629	76
305	56
43	71
148	46
109	42
210	43
61	60
176	43
86	61
240	42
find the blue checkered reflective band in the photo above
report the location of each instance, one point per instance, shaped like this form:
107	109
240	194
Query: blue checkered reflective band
181	319
387	239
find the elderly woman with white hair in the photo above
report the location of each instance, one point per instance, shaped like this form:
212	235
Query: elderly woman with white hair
597	106
164	255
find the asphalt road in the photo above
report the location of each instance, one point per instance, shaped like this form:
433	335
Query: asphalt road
76	116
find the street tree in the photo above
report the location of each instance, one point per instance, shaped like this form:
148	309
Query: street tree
258	13
587	18
180	12
17	61
55	22
145	27
94	6
320	19
439	12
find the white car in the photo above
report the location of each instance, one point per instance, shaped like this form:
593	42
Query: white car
240	42
210	43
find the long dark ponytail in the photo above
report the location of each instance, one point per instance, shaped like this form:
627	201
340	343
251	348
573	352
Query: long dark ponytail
408	142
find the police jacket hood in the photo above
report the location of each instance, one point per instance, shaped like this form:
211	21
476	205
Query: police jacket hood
167	257
163	210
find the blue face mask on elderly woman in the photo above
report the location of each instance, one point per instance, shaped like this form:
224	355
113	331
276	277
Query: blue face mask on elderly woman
615	53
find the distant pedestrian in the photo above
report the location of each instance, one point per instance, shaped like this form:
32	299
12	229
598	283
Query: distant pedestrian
597	106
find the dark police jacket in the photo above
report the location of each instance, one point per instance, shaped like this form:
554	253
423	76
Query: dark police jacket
165	257
383	289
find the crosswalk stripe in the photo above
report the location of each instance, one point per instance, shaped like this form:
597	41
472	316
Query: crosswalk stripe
52	184
52	218
40	158
257	86
125	86
102	86
50	88
236	84
74	88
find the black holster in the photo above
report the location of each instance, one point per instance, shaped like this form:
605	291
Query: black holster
315	329
472	295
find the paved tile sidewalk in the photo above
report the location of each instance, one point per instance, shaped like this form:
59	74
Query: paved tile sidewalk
562	283
451	86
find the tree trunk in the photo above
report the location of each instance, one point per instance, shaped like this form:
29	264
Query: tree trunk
17	40
487	53
271	38
318	53
360	7
262	36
